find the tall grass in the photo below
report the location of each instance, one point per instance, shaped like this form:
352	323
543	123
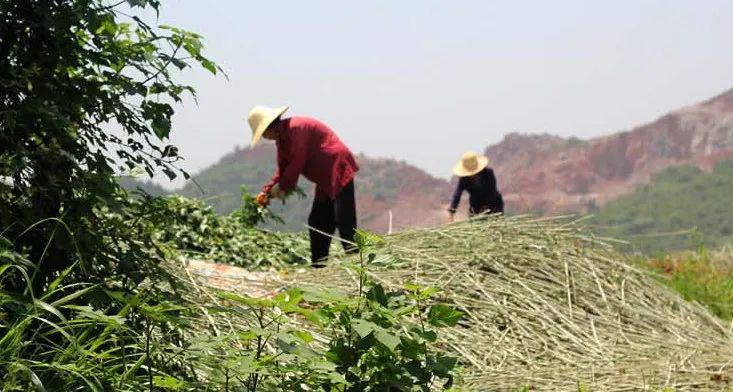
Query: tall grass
74	335
702	276
50	343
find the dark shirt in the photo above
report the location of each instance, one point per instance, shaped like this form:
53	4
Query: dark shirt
482	191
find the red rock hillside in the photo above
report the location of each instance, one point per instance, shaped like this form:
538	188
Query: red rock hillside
549	174
415	198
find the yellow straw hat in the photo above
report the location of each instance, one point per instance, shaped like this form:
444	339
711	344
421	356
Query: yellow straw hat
260	117
470	164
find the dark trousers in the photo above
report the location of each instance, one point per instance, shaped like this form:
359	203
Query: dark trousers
329	214
494	205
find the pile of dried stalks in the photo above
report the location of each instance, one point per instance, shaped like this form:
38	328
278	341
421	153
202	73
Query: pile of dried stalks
550	308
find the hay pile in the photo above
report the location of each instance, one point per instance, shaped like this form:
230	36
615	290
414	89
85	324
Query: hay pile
550	308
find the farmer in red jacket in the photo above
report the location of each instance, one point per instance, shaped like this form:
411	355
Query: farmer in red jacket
307	146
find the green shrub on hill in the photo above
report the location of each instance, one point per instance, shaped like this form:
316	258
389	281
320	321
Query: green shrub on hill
683	200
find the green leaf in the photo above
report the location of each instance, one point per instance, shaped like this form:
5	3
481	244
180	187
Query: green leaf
387	339
180	64
321	317
168	382
365	239
247	335
443	316
303	335
161	127
441	364
117	67
89	313
244	365
412	349
325	295
363	327
430	336
416	370
49	309
159	115
337	379
428	292
289	301
384	260
376	293
209	65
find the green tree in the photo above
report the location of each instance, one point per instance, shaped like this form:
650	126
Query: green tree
86	90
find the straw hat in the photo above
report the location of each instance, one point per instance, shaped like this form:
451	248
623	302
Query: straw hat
470	164
260	117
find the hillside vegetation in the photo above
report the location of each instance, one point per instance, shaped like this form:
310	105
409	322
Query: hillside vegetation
702	276
682	199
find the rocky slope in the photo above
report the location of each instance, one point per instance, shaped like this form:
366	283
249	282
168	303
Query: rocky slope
549	174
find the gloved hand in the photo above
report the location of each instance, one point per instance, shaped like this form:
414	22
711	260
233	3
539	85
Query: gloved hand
262	199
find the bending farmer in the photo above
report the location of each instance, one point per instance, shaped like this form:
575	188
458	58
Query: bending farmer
307	146
478	179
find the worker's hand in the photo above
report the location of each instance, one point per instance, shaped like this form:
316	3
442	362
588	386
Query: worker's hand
262	199
277	193
451	217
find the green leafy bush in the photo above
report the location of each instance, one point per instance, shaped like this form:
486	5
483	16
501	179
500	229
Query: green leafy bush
276	354
193	227
380	339
376	340
87	91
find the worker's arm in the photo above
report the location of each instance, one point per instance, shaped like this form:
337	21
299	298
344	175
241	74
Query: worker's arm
456	199
276	177
298	155
491	179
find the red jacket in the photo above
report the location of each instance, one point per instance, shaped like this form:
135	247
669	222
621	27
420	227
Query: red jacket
307	146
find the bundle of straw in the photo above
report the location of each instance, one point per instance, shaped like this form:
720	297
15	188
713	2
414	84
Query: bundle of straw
551	308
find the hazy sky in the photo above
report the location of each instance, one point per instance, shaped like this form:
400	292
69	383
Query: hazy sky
425	80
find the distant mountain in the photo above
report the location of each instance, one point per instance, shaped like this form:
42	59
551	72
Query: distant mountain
415	198
678	199
550	174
